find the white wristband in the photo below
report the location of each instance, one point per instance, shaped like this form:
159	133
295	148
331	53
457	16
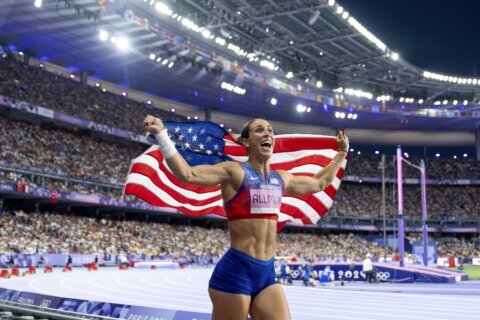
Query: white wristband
165	144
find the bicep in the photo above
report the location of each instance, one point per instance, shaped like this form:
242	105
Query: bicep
209	175
201	175
300	185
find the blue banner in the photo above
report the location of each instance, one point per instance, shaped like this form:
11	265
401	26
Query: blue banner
113	310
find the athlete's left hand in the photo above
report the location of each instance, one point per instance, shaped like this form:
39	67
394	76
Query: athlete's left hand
342	141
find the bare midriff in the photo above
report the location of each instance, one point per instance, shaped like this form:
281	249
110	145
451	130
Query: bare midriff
255	237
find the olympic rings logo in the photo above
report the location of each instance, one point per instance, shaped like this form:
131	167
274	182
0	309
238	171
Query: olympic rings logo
383	276
295	273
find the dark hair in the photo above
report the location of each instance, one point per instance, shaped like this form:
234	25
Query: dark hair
246	129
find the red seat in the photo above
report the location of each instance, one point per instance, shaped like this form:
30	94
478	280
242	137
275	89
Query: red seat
32	270
15	272
4	274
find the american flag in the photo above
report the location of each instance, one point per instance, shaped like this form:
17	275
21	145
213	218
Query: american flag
150	179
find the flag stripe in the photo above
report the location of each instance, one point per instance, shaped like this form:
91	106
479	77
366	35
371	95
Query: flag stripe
160	164
169	199
185	196
147	195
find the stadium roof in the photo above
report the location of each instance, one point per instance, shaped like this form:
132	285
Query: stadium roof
313	39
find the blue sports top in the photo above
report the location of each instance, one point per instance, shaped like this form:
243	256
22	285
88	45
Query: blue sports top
257	198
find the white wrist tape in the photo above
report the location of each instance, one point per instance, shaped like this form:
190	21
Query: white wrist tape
165	144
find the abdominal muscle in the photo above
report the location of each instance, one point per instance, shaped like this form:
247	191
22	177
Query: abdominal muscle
255	237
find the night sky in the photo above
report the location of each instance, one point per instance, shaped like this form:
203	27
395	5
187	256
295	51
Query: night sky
438	35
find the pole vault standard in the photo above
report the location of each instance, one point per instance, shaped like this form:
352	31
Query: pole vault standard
401	230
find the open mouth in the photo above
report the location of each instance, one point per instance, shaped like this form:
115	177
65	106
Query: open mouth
266	145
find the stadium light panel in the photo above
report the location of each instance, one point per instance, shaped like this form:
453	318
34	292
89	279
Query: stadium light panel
309	109
445	102
38	3
339	10
319	84
465	155
437	155
152	56
355	116
173	110
273	101
331	3
420	101
122	43
345	15
170	65
103	35
289	75
455	102
394	56
377	152
465	102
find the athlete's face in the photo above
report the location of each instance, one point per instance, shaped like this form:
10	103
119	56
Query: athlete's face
261	139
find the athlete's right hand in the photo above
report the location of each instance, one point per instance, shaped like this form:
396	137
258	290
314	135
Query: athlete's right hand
152	124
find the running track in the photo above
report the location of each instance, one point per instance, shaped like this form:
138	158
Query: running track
187	290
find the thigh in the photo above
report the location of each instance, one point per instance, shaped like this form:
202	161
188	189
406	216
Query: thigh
229	306
270	304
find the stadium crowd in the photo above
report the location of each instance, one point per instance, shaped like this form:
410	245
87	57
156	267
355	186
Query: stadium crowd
443	202
368	165
63	153
44	232
38	86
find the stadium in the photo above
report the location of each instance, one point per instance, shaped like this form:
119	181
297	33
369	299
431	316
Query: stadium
127	174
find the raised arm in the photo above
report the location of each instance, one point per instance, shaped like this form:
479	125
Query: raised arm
202	175
300	185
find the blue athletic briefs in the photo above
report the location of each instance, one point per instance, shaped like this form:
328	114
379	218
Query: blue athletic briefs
240	273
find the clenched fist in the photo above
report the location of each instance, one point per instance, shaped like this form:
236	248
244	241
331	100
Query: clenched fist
342	141
152	124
